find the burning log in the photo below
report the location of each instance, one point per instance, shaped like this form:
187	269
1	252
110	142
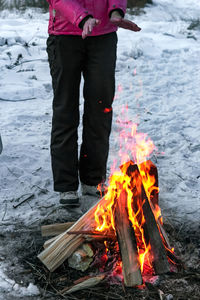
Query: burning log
127	243
152	234
149	168
151	231
64	245
164	234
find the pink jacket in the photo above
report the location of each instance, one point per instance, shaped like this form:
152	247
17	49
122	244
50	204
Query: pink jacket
65	15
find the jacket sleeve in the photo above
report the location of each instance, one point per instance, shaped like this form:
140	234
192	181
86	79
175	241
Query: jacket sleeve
72	10
117	4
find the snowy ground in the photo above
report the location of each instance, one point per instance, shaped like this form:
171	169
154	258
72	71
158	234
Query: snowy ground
158	76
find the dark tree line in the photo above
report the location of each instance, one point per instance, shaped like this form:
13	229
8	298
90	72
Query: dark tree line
22	4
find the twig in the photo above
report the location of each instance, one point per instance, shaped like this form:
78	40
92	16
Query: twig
10	169
40	273
27	198
178	175
26	61
25	70
51	212
37	170
7	224
90	282
110	295
18	100
181	227
191	212
93	233
36	269
42	190
34	221
47	206
4	212
30	205
62	295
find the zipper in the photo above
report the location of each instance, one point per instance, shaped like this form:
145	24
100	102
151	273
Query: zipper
54	18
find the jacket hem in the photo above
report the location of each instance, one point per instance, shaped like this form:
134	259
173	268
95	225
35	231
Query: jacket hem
51	32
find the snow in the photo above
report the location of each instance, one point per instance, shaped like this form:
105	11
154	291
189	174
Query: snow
14	289
157	75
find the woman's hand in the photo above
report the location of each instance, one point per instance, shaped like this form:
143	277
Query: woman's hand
117	20
88	26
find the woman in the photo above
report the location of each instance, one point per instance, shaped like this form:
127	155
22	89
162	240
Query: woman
82	41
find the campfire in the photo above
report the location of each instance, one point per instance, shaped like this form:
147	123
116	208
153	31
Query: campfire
123	233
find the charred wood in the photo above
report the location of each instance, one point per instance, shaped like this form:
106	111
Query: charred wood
127	243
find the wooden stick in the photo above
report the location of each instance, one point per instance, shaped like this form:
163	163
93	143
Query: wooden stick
55	229
71	246
127	242
150	168
58	251
93	233
87	283
87	237
50	241
164	234
29	197
17	100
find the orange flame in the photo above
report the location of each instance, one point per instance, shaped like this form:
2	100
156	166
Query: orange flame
135	147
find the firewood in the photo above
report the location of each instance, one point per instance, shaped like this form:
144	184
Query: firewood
88	249
164	234
151	231
81	258
55	229
50	241
72	245
87	237
152	234
58	251
127	242
151	169
61	247
93	233
87	283
25	198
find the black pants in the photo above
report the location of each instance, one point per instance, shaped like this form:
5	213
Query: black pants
95	58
